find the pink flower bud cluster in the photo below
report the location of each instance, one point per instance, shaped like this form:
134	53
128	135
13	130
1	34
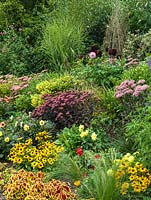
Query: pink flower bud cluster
130	87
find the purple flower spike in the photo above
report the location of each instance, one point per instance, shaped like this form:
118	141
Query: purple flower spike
149	64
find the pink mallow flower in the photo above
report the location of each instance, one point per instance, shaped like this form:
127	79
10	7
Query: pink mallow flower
92	55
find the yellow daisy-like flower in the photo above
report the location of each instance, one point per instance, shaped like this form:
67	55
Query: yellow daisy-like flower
132	170
138	165
42	122
93	136
132	177
50	161
19	160
84	133
77	183
34	164
137	188
130	159
7	139
124	188
81	128
40	165
26	127
1	134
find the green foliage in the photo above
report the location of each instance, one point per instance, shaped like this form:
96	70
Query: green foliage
11	11
36	100
138	46
138	133
139	15
93	20
67	168
56	84
14	56
101	73
5	89
76	137
6	110
145	45
23	102
62	41
132	45
100	184
137	73
7	139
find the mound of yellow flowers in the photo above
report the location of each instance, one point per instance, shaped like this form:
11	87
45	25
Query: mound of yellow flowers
131	175
35	156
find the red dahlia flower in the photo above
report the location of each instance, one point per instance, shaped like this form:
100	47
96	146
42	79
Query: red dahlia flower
79	151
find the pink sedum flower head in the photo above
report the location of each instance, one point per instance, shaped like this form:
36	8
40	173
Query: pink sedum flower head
92	55
141	81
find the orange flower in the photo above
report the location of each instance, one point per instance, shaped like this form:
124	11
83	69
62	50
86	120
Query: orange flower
2	124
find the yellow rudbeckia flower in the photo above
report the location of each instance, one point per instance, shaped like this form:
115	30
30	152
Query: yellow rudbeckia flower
7	139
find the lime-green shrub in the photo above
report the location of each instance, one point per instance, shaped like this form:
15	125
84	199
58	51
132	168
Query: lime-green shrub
56	84
22	102
5	89
137	73
51	87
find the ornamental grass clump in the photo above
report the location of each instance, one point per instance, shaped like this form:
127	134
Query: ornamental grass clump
51	87
27	185
132	176
67	108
